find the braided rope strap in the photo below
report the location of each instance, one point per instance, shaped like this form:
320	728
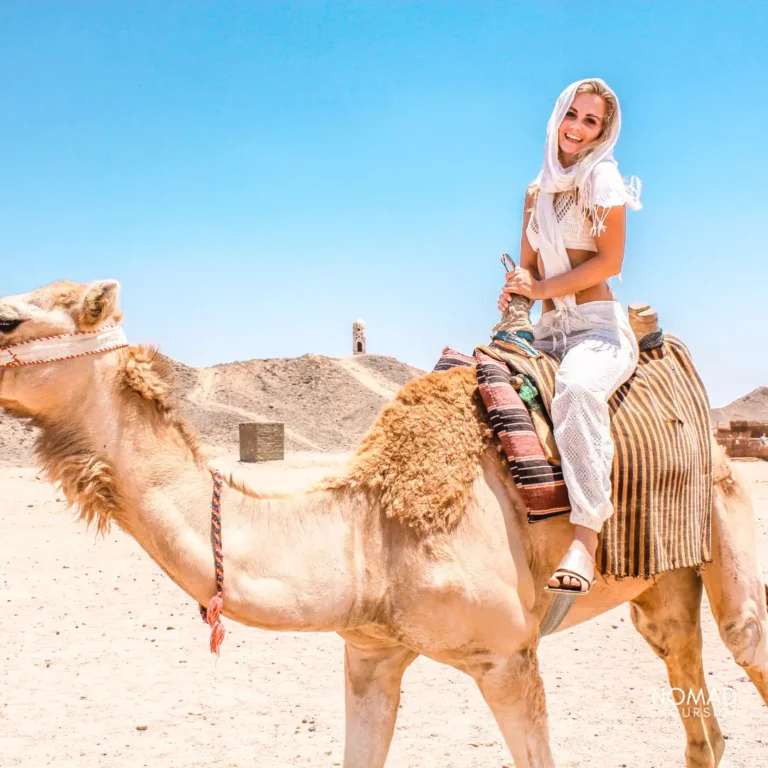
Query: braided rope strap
212	614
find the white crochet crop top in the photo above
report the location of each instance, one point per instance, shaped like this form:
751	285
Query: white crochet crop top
577	232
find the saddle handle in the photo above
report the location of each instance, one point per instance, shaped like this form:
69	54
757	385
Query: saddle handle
517	316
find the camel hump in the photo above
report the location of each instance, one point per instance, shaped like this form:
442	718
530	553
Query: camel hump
422	455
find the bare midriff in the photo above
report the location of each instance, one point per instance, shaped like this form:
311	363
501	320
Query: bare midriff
599	292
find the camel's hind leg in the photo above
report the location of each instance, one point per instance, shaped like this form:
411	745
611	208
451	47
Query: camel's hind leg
668	616
735	585
373	671
514	691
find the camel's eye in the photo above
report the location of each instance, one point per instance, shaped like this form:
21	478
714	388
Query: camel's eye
8	326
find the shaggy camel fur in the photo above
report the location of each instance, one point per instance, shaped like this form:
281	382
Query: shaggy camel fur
421	548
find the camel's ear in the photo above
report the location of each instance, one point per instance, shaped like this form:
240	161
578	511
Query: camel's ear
100	304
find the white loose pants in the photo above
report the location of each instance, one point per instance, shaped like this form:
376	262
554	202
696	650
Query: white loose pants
598	353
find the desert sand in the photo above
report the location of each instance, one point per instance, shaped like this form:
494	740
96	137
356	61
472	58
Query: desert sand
105	662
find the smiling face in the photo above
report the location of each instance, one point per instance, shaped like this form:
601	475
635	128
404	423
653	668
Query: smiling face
581	128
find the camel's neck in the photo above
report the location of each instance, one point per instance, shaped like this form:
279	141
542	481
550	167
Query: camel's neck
292	563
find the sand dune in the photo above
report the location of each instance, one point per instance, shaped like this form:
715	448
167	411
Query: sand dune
752	406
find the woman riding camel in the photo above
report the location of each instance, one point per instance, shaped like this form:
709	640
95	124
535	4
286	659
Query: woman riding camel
572	243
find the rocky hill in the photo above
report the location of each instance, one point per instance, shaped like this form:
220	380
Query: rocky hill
326	403
753	407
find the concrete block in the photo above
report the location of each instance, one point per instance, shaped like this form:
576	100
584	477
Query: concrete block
262	441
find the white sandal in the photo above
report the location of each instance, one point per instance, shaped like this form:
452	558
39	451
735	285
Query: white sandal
575	564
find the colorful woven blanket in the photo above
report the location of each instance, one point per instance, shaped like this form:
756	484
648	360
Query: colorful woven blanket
662	467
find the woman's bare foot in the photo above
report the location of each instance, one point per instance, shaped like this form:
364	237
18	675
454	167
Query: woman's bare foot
584	541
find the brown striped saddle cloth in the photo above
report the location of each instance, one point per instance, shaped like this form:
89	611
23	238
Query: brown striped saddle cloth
662	466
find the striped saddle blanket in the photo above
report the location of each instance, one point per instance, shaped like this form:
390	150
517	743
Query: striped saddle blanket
662	466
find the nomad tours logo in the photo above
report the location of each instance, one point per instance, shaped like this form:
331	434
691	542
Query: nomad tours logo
695	703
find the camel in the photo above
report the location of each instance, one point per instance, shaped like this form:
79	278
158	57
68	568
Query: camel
420	547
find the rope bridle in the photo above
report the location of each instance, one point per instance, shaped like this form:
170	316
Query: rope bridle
68	346
64	346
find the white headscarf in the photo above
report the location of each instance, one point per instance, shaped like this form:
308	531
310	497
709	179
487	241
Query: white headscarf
596	177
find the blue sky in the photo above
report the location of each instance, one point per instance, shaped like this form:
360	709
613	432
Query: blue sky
259	174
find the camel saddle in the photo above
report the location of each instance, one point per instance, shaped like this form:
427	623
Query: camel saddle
662	466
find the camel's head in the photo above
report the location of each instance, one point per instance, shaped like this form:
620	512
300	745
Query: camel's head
59	308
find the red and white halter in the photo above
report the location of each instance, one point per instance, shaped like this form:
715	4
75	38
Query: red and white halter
66	346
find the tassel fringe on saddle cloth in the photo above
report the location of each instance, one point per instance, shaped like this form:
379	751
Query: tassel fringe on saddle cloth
662	466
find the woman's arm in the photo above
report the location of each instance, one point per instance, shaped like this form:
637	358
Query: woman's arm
606	263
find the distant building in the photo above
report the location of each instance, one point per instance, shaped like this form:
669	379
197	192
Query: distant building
743	438
358	337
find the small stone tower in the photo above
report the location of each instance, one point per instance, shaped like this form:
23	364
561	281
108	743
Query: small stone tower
358	337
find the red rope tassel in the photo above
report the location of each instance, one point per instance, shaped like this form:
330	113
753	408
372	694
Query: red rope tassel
213	617
212	614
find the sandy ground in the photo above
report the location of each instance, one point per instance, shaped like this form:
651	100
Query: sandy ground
97	643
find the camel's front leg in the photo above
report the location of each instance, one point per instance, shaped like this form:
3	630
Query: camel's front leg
514	691
735	585
373	671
